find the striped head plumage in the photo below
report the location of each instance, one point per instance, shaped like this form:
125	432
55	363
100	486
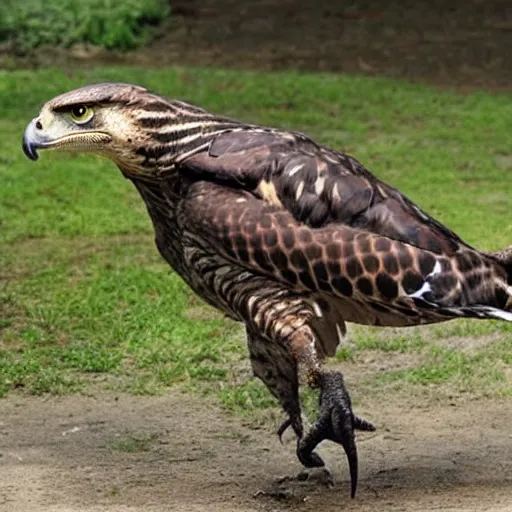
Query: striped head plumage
144	134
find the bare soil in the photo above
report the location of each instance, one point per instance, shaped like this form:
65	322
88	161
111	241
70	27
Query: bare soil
70	454
463	44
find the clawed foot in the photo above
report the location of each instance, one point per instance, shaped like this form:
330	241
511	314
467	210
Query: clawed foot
336	422
293	421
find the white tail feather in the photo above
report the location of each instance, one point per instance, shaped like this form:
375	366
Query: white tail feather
494	313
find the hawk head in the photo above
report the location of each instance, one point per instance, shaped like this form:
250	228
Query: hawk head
126	123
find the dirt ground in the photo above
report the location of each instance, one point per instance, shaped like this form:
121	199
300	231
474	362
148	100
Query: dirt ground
463	44
59	455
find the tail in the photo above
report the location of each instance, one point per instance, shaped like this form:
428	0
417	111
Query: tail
489	312
504	258
486	286
477	311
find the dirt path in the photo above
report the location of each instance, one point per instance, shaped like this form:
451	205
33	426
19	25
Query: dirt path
464	44
177	453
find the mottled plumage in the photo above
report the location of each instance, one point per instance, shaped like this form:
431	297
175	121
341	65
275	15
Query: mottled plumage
279	232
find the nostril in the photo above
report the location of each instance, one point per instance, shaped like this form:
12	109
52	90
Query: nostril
39	126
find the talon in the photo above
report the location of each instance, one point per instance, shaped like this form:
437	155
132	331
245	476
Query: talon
307	444
336	423
282	429
343	427
307	456
295	423
362	424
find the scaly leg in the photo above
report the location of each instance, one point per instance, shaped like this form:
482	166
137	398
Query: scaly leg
274	365
336	420
282	343
337	423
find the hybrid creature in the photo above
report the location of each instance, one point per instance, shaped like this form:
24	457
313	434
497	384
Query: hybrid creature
283	234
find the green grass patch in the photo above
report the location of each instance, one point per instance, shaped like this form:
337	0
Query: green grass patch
85	297
482	372
387	340
119	25
133	444
248	395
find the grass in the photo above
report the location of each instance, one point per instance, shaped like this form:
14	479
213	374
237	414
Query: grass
118	25
86	300
133	444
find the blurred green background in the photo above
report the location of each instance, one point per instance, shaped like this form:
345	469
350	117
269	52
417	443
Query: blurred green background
123	25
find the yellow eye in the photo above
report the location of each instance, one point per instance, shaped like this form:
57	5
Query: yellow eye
81	114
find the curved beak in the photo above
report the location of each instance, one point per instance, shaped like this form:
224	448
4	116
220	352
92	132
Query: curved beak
34	139
83	140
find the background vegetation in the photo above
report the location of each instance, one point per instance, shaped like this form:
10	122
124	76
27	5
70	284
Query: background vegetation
120	25
87	300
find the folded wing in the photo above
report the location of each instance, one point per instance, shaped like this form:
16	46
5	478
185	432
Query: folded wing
318	186
369	278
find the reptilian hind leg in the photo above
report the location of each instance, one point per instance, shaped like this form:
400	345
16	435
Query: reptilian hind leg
275	366
282	344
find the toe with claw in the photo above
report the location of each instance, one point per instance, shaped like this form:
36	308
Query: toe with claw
337	423
293	421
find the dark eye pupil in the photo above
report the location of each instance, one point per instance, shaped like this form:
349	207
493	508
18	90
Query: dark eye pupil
79	111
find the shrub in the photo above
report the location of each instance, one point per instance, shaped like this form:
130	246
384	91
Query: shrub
114	24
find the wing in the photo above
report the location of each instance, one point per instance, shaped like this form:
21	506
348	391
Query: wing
367	278
318	186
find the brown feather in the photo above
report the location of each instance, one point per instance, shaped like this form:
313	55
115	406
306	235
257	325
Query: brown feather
348	268
318	186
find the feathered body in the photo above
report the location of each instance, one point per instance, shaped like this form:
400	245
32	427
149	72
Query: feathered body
330	227
286	235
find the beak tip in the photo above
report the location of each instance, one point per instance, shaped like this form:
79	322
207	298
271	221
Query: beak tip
29	150
31	141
